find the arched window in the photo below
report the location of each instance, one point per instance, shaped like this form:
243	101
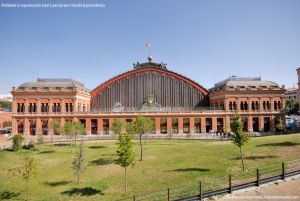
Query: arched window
230	105
234	105
245	105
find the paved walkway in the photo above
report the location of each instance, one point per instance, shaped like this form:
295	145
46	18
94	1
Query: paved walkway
276	191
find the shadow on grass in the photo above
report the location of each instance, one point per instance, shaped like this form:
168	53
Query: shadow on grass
287	144
108	154
164	144
254	157
62	145
8	195
190	170
47	152
102	161
57	183
97	147
8	149
87	191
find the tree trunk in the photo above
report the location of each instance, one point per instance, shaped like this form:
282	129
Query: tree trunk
242	158
78	175
27	182
125	179
27	189
52	138
141	146
71	144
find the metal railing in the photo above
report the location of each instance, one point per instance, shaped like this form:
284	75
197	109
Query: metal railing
208	187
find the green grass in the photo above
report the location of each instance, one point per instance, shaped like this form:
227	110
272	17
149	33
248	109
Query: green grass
165	165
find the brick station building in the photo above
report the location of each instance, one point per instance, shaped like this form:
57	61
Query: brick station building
174	102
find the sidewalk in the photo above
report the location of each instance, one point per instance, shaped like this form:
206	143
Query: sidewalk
288	189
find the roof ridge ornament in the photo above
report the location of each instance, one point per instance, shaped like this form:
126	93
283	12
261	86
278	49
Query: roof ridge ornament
150	64
148	46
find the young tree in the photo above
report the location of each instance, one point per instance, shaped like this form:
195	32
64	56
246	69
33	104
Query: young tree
79	162
170	135
227	130
190	136
78	129
7	124
40	139
17	142
280	125
118	126
26	171
54	125
239	137
141	126
69	130
291	106
125	153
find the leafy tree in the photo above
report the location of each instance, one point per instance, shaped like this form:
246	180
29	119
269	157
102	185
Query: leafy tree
69	130
118	126
73	129
7	124
170	135
40	139
141	126
78	129
239	137
190	136
26	171
125	153
5	104
291	106
79	162
17	142
280	125
227	130
30	145
55	126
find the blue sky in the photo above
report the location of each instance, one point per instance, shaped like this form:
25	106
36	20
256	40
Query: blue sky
204	40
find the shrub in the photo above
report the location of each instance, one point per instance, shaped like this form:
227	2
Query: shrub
17	142
30	145
7	124
40	139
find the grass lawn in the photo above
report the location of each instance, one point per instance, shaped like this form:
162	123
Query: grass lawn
165	165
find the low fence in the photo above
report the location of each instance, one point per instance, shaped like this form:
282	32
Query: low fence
221	185
5	143
57	139
136	137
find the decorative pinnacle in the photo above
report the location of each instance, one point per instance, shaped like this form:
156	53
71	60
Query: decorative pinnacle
148	46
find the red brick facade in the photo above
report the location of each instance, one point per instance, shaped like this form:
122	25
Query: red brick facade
260	106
